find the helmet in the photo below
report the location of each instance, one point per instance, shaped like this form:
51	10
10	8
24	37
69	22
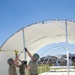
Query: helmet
9	60
36	56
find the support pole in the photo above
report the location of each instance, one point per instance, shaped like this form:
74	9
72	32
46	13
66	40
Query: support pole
67	51
24	48
24	43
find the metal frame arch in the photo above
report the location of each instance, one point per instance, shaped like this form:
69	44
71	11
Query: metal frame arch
43	22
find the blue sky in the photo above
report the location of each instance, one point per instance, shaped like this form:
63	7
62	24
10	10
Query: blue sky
16	14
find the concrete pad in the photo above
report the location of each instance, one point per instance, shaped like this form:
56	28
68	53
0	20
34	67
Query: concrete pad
57	73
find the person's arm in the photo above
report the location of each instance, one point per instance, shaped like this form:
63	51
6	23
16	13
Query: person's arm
20	60
27	67
17	65
29	54
16	57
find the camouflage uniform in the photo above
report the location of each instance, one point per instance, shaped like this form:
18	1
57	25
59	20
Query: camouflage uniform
22	69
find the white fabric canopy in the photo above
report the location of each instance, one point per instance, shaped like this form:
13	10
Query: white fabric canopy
37	36
40	34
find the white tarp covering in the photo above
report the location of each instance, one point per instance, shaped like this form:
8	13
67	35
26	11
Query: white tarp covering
37	36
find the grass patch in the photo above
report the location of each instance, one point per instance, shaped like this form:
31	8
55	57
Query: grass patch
43	68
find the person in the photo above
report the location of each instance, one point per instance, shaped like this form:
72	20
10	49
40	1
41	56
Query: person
22	67
33	64
12	63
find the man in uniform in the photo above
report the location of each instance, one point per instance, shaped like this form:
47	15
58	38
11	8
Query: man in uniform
22	67
12	63
33	63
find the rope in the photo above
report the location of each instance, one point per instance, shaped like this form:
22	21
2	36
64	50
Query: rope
12	51
6	51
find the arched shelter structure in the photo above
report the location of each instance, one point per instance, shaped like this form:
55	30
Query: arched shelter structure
36	36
